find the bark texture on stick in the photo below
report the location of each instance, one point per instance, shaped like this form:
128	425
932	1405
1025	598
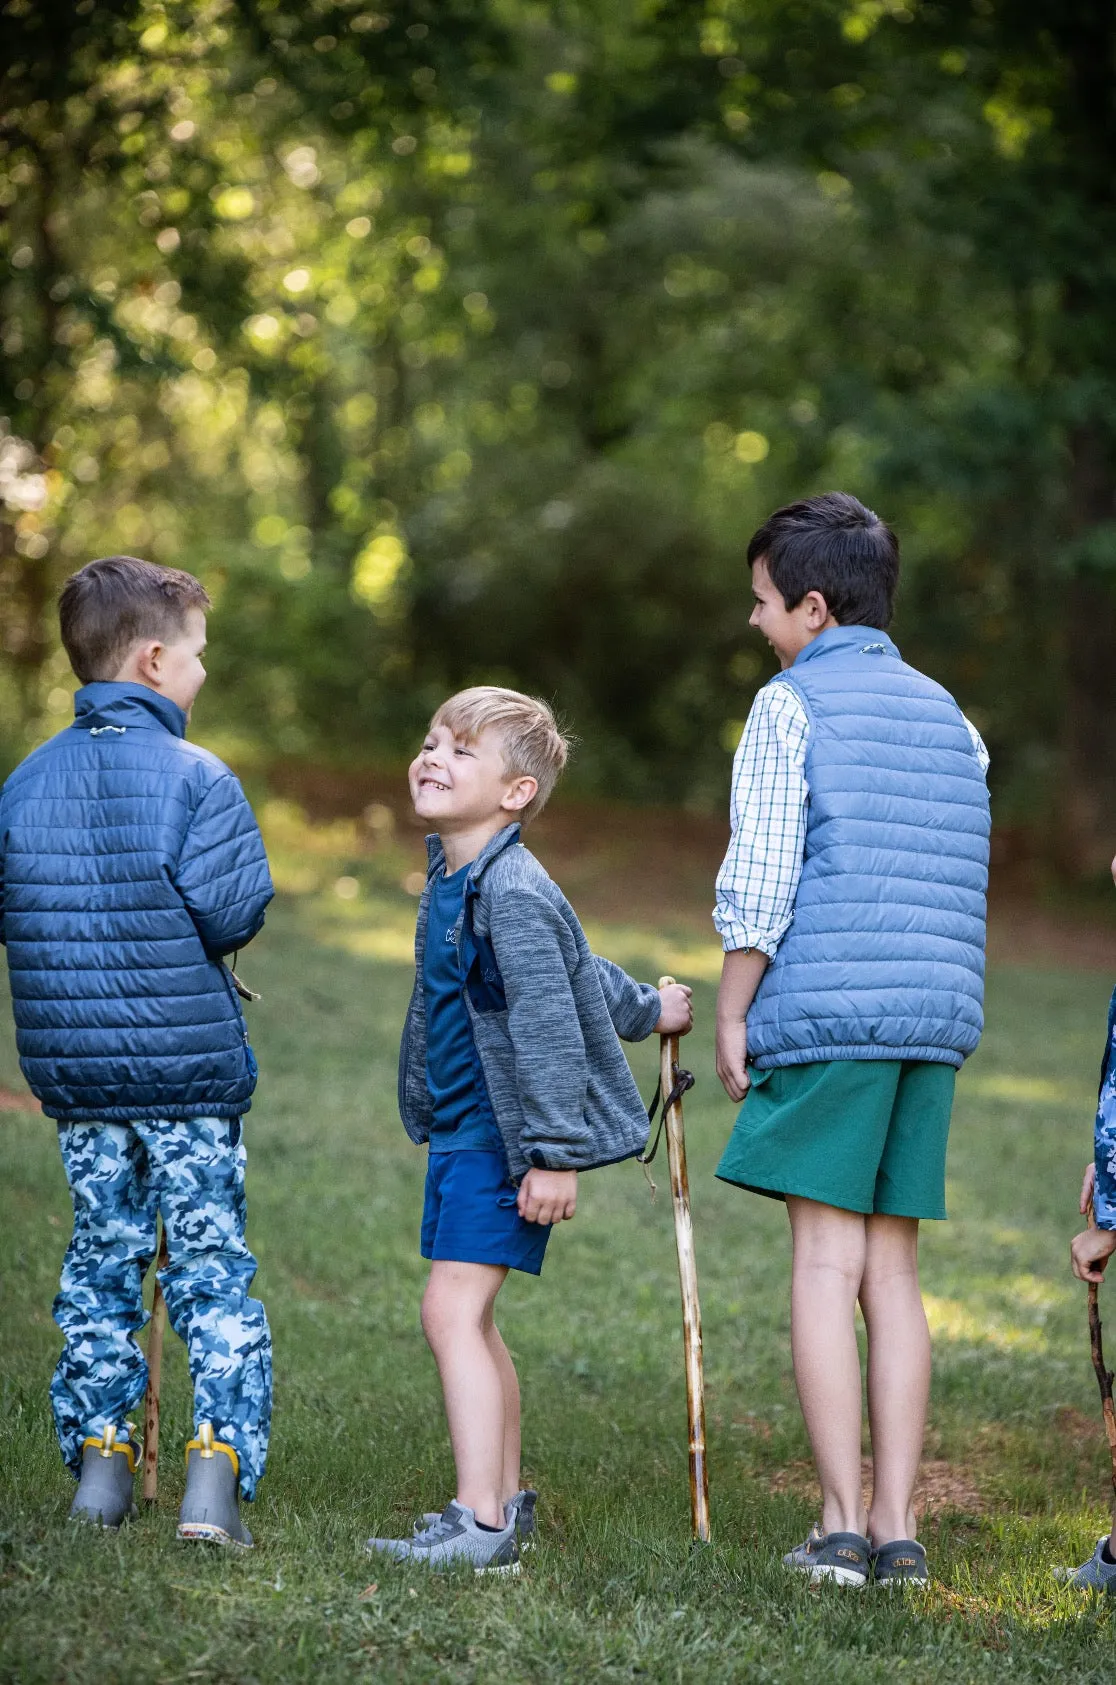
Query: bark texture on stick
1103	1373
687	1277
157	1329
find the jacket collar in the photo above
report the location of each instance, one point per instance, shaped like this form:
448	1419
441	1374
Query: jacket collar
126	707
436	854
851	639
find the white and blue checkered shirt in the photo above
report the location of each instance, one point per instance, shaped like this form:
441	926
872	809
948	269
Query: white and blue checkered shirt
758	879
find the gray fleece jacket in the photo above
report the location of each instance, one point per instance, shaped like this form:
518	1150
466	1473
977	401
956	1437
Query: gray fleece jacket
545	1014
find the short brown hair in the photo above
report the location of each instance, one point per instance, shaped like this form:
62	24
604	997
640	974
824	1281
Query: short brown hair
118	601
534	747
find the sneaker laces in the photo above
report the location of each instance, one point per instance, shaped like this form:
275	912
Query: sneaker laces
436	1531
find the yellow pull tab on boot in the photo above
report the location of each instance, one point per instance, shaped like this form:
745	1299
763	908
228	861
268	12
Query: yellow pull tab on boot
108	1440
205	1438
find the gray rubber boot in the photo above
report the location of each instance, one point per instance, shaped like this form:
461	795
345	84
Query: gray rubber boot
210	1510
104	1494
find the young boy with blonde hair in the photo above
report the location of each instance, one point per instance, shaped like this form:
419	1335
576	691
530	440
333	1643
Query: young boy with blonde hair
511	1070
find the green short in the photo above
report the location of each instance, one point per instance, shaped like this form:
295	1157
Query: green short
864	1134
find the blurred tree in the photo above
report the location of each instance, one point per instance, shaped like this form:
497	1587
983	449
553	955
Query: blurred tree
473	341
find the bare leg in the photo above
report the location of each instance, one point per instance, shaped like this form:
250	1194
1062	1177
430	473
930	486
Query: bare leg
898	1372
510	1383
457	1322
829	1248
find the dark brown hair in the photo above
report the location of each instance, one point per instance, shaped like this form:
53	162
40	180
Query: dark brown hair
834	545
118	601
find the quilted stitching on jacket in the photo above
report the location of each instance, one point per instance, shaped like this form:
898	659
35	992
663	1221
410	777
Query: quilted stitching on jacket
130	862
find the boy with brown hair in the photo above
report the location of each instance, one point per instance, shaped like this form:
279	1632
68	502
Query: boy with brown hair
130	864
511	1069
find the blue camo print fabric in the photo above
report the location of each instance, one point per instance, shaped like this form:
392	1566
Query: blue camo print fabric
120	1177
1104	1136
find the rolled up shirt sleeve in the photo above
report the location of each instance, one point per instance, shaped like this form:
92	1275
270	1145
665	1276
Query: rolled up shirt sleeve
758	879
984	759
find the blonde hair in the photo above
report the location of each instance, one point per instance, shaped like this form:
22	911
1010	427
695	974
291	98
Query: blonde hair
534	747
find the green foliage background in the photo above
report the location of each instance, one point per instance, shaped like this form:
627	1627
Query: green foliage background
472	340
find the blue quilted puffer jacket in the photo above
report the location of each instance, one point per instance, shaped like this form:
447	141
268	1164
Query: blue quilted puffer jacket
130	862
884	958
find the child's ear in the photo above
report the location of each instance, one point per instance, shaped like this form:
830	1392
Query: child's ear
521	794
817	610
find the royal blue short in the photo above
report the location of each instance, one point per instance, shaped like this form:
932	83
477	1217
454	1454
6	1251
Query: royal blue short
469	1215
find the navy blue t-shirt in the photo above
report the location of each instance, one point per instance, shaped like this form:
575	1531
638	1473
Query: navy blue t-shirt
462	1120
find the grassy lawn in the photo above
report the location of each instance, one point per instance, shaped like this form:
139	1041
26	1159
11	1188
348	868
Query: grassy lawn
1016	1467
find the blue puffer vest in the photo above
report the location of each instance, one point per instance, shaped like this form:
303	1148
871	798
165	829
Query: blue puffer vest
884	958
131	863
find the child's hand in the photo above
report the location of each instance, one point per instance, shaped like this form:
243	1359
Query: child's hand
1090	1252
676	1011
732	1059
1087	1187
547	1196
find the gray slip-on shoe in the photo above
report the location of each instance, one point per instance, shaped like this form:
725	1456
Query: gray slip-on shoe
841	1558
900	1563
210	1512
104	1496
1094	1575
521	1508
452	1540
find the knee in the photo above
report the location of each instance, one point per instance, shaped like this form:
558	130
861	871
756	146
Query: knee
840	1271
450	1312
831	1254
891	1258
437	1316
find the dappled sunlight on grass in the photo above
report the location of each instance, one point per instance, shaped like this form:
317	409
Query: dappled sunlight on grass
1032	1091
1016	1470
949	1319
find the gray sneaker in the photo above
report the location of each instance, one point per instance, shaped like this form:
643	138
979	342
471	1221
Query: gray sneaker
521	1509
1094	1575
105	1492
902	1562
210	1512
452	1539
840	1557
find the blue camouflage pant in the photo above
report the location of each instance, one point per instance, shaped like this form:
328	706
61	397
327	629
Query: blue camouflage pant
120	1176
1104	1193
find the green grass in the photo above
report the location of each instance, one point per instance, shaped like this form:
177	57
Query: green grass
612	1592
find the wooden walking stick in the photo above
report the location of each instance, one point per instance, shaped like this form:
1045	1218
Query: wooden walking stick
1104	1374
671	1088
154	1377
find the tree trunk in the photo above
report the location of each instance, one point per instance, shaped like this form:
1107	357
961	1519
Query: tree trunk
1087	839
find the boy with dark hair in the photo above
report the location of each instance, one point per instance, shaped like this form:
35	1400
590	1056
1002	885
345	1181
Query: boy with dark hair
511	1070
130	864
851	904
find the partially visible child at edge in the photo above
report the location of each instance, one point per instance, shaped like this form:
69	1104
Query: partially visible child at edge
851	904
130	863
1089	1255
511	1069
